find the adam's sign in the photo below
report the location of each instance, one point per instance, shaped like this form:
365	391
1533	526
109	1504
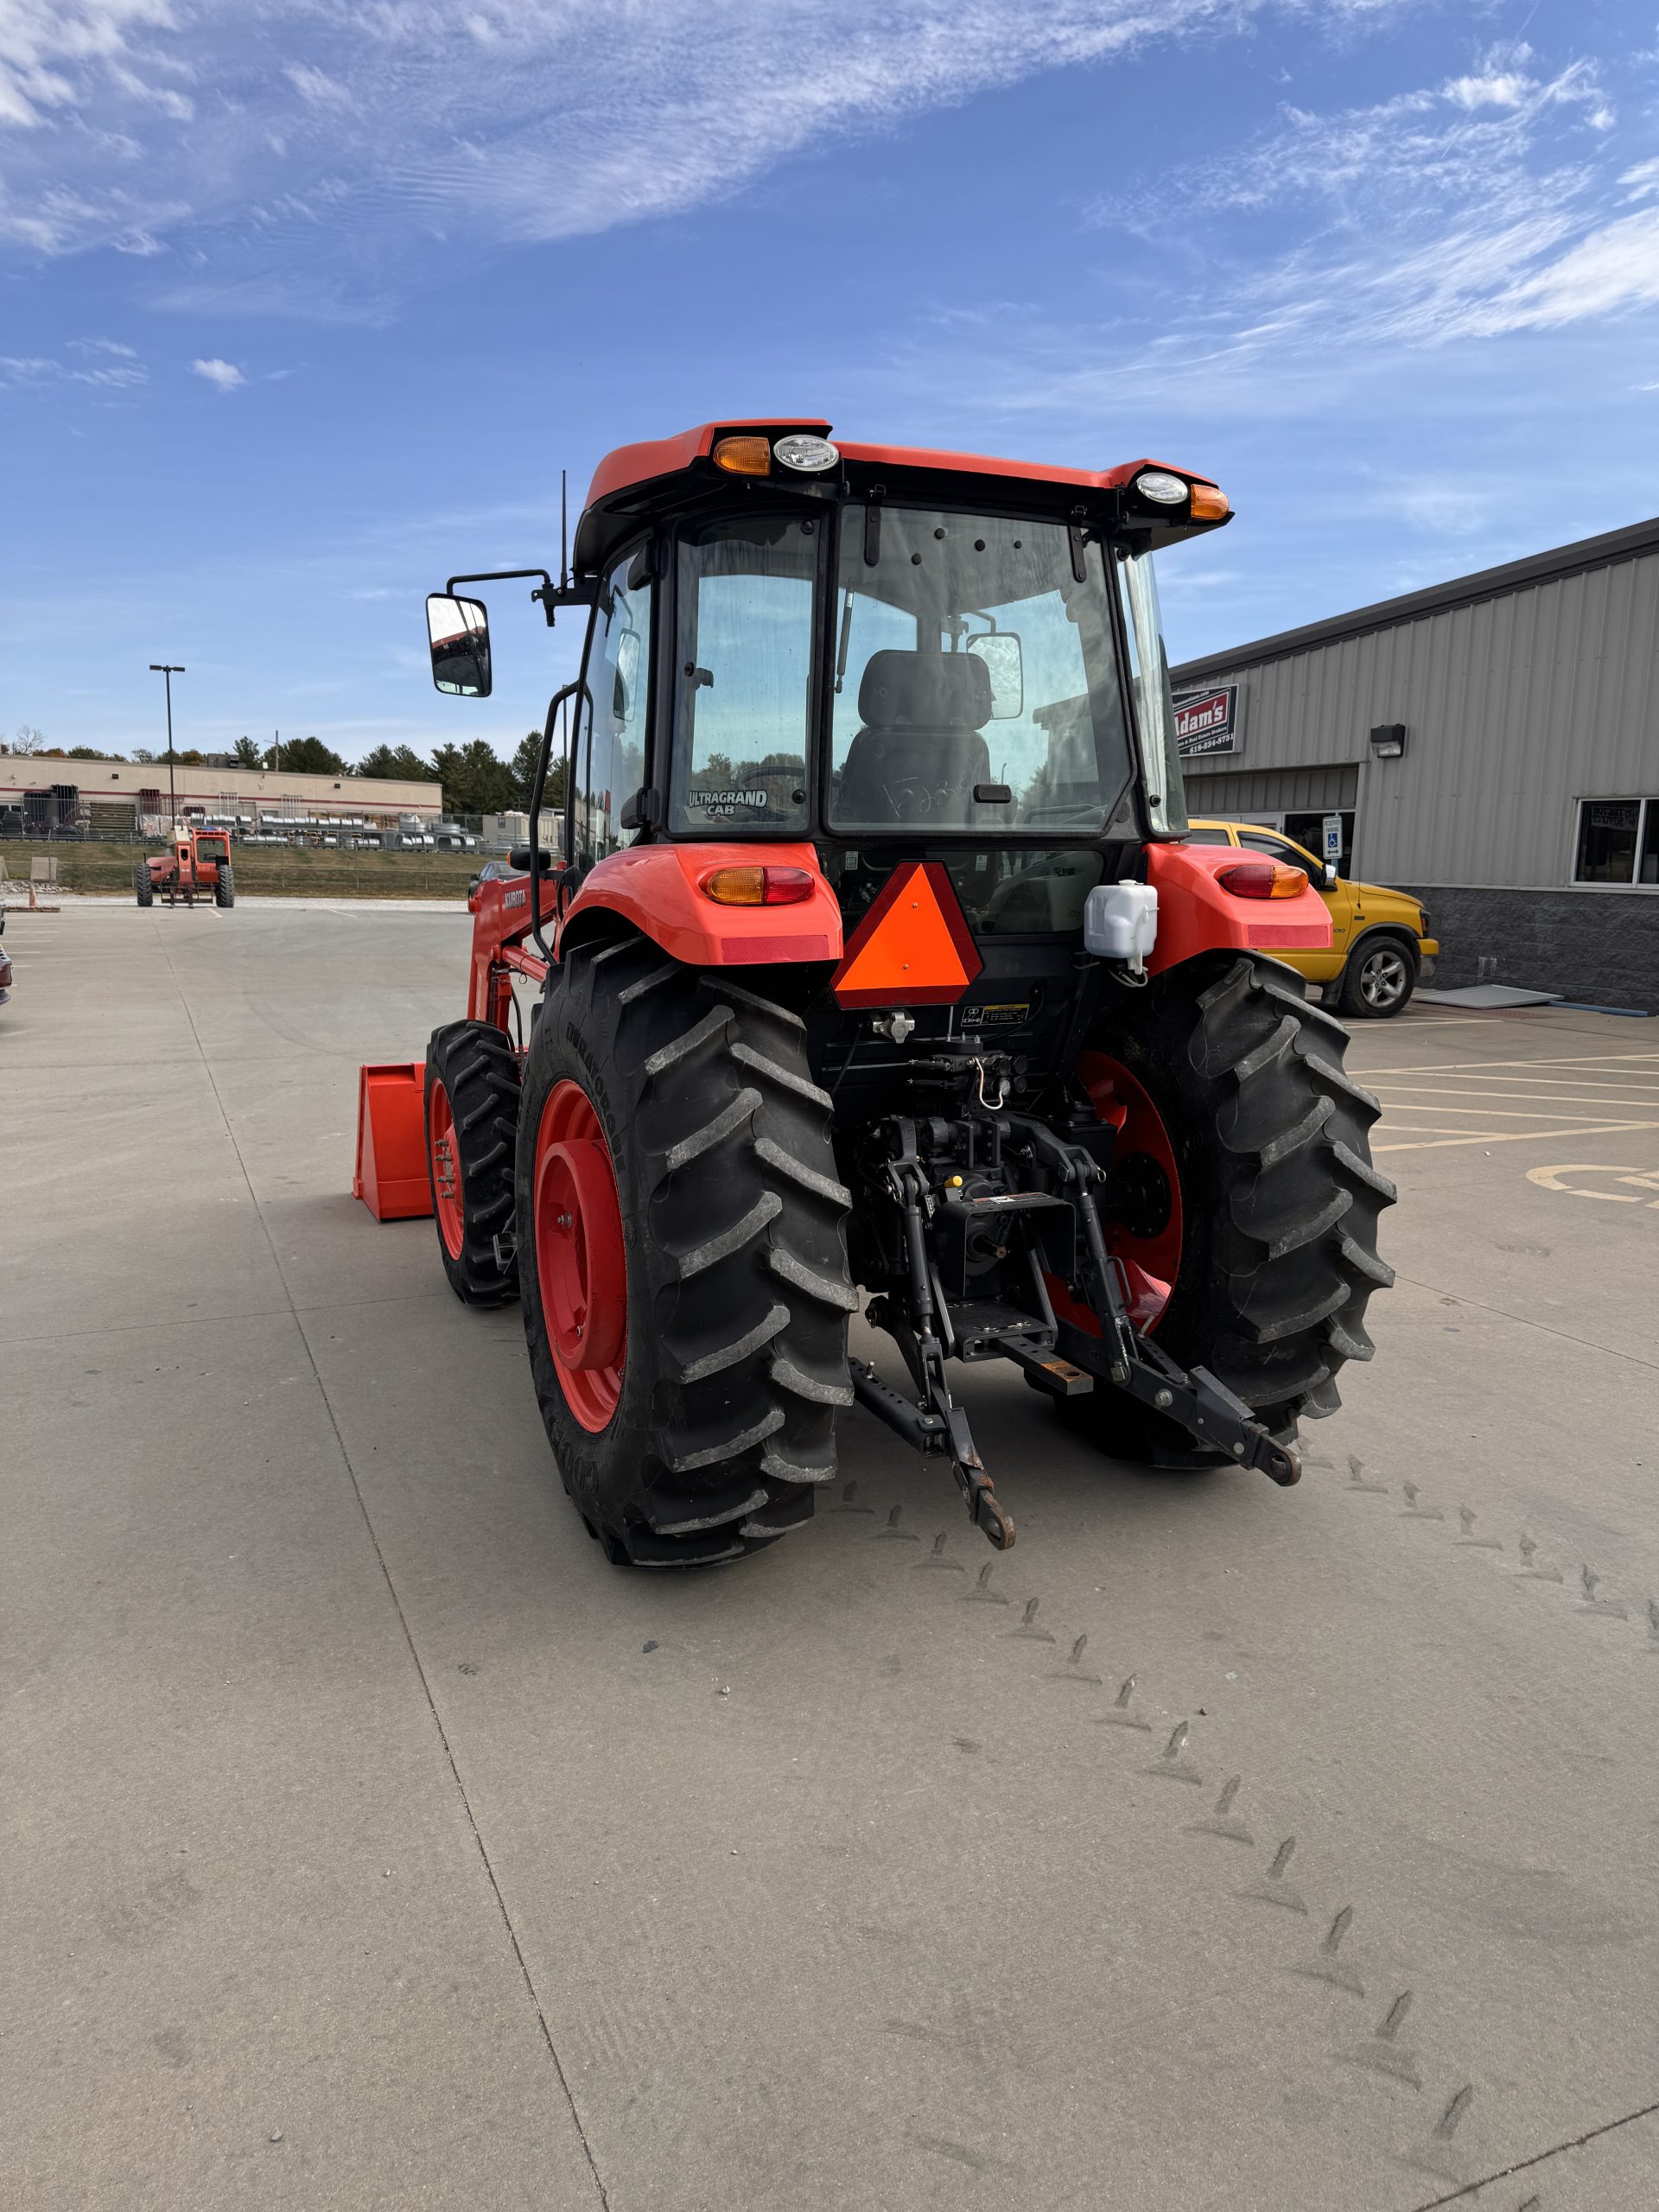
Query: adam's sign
1207	721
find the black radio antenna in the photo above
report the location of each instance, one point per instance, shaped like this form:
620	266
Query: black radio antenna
565	565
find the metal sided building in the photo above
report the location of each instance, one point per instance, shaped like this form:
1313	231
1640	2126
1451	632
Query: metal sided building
1492	745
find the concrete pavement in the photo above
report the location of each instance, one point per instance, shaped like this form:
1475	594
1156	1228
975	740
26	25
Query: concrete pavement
373	1843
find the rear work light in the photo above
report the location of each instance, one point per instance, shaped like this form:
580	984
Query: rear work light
812	456
1160	484
757	886
743	457
1263	880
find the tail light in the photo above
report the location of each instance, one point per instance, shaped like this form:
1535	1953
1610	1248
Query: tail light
1263	880
757	886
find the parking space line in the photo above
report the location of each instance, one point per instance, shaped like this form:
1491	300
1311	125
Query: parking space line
1517	1136
1443	1104
1487	1102
1641	1070
1585	1086
1578	1060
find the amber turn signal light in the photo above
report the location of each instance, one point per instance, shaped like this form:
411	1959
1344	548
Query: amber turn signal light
1263	880
743	457
757	886
1210	503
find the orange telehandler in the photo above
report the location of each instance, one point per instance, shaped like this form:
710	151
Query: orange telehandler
196	864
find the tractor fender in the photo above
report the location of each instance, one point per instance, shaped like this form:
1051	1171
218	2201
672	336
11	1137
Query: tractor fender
1196	915
657	889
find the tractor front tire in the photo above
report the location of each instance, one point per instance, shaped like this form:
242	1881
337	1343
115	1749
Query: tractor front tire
471	1128
1278	1200
143	885
682	1254
225	885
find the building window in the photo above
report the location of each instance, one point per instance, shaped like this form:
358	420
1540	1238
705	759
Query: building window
1618	841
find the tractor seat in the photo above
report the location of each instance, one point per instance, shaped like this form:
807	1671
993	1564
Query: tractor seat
920	752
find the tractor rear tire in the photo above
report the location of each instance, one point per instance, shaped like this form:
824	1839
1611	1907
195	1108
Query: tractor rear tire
682	1254
143	885
472	1127
1279	1200
225	888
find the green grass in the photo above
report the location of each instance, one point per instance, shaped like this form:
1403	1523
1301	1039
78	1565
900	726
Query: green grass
263	871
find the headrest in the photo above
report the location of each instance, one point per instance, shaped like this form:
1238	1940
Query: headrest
927	691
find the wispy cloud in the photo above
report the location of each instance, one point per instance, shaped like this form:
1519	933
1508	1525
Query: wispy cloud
1490	202
101	363
225	374
51	50
398	120
1471	142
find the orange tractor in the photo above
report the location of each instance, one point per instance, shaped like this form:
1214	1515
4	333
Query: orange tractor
196	864
868	965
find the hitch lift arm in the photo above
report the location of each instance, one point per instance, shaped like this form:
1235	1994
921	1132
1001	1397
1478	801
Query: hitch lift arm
1055	1356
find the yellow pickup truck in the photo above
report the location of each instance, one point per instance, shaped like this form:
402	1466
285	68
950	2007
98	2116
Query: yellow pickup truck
1379	938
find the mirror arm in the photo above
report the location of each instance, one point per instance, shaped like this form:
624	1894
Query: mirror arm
579	687
579	592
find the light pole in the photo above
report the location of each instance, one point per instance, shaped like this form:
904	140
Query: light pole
166	670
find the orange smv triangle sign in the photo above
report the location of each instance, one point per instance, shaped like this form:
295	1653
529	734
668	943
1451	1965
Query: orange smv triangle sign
913	948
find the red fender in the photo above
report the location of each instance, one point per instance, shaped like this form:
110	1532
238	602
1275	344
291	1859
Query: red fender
658	888
1195	914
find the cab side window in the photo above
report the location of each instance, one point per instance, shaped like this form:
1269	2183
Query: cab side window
1197	836
610	756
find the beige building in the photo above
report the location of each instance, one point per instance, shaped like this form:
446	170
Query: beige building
40	791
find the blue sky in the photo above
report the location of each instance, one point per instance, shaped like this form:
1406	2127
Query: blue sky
303	303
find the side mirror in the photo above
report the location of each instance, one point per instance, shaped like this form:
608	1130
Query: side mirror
1329	875
458	632
999	651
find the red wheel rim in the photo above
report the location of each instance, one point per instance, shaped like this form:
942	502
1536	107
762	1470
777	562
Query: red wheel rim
446	1171
581	1266
1143	1165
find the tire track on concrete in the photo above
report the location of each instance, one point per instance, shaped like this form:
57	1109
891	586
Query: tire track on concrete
1436	2151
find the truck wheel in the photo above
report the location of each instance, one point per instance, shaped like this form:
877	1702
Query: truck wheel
682	1257
225	888
1379	978
472	1122
143	888
1241	1203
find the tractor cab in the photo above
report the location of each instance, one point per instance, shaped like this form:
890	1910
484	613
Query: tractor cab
876	974
868	647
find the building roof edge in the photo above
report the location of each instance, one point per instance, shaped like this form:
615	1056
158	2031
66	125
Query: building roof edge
1604	551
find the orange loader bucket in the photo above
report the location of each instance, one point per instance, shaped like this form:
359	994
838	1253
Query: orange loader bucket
391	1176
